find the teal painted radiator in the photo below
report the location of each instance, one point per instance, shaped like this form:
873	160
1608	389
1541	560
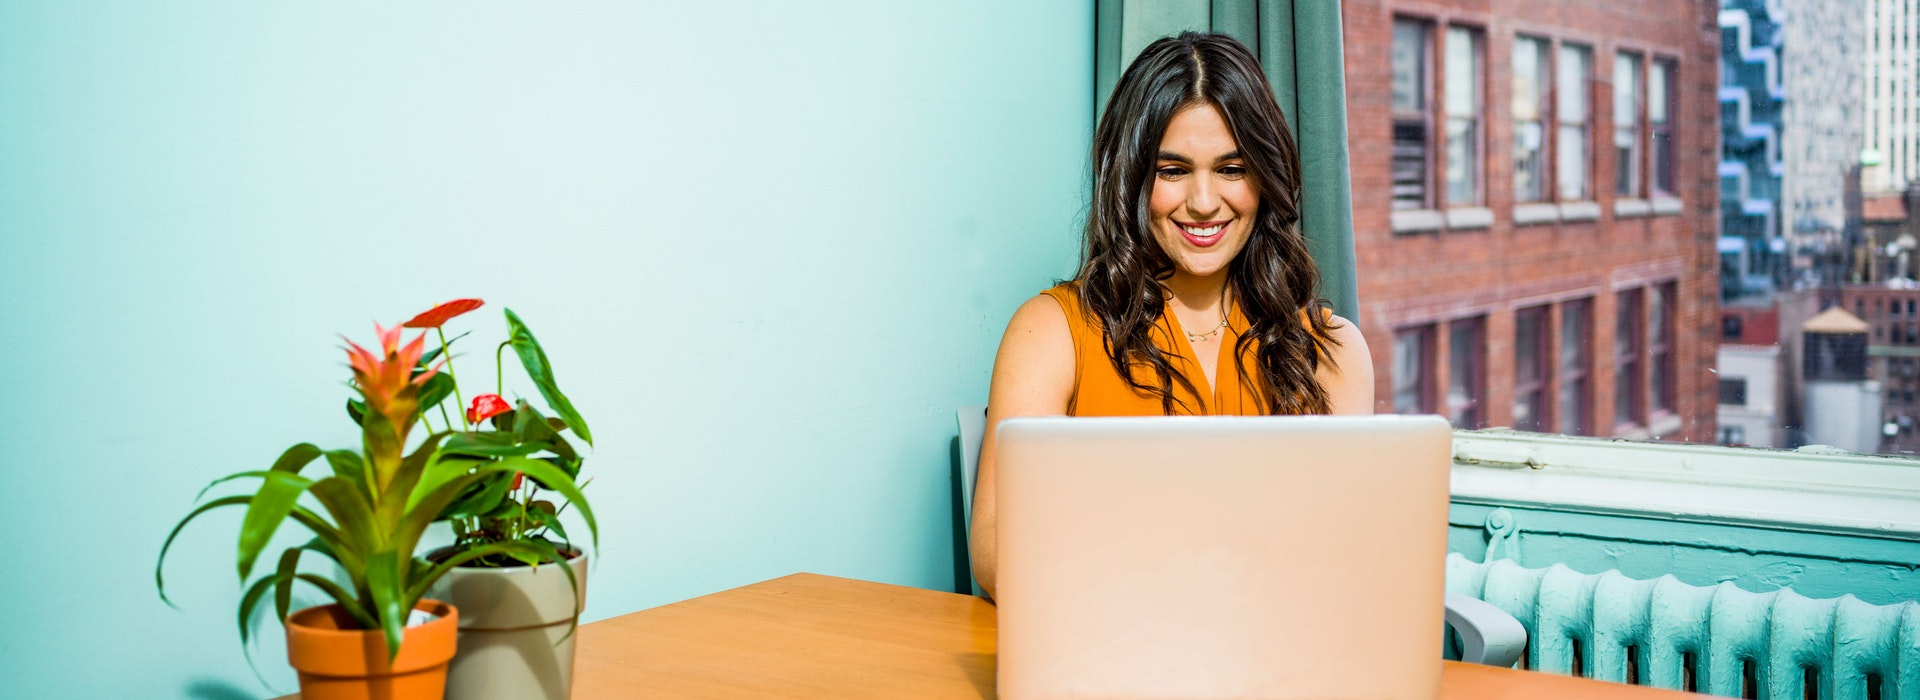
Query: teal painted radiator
1720	640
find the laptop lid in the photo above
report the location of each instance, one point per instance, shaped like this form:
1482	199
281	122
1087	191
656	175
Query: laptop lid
1218	557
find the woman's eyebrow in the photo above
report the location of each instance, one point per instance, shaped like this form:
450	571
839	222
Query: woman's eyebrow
1177	158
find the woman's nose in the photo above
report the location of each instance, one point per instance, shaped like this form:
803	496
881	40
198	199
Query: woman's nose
1203	198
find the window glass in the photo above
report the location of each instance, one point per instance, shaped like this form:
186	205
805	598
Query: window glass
1571	144
1410	373
1627	350
1660	96
1530	90
1465	346
1411	160
1576	333
1462	88
1626	124
1530	369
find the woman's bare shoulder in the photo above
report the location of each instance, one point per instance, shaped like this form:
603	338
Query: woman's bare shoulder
1349	378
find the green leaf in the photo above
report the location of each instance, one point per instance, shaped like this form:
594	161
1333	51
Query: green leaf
491	444
437	389
269	508
160	583
540	370
548	518
349	465
537	550
555	479
530	426
352	515
357	410
388	586
393	501
480	499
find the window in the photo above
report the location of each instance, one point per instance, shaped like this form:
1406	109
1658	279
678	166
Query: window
1627	348
1626	124
1733	435
1530	90
1571	144
1733	391
1660	346
1730	328
1576	335
1462	89
1466	346
1530	369
1661	96
1412	383
1411	118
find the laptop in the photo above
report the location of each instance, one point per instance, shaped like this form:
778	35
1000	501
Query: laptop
1222	557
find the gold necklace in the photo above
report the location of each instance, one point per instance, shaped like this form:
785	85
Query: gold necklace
1193	337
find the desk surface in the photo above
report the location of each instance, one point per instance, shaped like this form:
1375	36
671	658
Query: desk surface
812	636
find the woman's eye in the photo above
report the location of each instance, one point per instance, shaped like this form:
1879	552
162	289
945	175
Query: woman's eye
1170	173
1234	172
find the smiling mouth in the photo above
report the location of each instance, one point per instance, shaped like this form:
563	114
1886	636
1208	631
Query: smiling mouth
1202	233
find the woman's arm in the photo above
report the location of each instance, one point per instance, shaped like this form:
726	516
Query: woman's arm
1032	376
1349	380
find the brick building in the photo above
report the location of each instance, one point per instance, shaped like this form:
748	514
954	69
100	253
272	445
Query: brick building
1535	210
1893	353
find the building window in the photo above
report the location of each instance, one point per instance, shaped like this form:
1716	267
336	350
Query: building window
1466	360
1530	369
1660	345
1411	118
1412	381
1628	346
1462	89
1662	94
1626	124
1576	339
1571	115
1731	328
1733	435
1530	89
1733	391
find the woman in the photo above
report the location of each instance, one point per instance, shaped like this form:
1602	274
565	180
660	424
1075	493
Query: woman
1195	289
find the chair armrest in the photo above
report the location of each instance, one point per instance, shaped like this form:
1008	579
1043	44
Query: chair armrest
1488	635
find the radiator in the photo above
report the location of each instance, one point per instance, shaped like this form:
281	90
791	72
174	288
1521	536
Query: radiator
1719	640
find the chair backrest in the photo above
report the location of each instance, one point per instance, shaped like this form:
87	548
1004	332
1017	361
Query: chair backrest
973	431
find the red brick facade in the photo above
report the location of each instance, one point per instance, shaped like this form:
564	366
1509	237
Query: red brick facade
1491	271
1893	354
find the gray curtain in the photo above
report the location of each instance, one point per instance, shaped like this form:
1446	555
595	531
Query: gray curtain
1299	46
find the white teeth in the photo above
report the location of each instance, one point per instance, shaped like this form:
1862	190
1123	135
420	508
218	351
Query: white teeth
1207	232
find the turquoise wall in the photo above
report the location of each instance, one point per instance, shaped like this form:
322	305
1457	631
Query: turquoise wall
770	246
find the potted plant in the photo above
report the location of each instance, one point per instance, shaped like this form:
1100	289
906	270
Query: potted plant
520	583
380	637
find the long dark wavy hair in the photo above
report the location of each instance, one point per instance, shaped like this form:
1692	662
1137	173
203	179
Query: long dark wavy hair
1123	269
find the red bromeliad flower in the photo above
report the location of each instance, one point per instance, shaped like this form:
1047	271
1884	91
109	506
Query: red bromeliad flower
385	380
440	315
487	406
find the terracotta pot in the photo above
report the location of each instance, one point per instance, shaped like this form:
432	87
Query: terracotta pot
516	630
338	662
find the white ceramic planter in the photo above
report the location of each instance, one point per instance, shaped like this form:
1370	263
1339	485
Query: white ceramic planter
512	625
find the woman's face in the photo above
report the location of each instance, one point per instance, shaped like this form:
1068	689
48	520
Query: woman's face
1204	198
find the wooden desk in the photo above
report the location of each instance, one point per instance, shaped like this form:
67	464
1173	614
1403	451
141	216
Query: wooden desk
812	636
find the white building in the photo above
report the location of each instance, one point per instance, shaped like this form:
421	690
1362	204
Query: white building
1892	153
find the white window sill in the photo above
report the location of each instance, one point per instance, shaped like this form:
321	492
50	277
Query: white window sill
1579	211
1412	220
1664	424
1469	218
1631	208
1839	494
1667	206
1535	213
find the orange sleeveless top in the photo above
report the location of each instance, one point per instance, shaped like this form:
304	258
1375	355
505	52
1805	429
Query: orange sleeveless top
1098	389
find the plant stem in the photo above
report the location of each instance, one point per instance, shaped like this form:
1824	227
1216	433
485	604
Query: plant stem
458	400
499	370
